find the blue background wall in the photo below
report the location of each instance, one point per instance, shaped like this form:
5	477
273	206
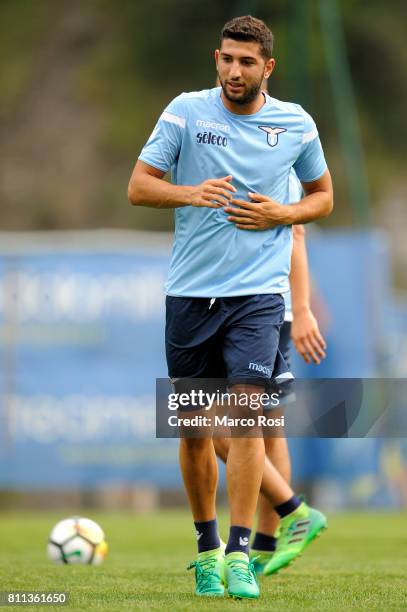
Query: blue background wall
82	344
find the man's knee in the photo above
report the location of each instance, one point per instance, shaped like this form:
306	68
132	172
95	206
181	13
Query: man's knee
197	446
246	445
221	447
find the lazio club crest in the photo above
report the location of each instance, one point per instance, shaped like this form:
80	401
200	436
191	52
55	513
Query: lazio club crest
272	134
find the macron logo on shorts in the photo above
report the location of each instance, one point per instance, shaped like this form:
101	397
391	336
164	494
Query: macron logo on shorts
260	368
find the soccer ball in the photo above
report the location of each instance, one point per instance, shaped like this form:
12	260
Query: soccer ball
77	540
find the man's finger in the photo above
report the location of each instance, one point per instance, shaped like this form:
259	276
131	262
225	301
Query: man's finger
315	341
258	197
239	212
242	220
222	183
299	347
218	190
243	204
212	205
217	197
213	197
320	339
310	350
221	202
247	227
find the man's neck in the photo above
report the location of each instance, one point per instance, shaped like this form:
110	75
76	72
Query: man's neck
244	109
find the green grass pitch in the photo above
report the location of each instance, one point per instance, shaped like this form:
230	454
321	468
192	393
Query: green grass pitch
360	563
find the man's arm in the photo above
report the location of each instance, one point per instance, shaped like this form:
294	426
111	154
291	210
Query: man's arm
317	203
305	333
263	212
147	188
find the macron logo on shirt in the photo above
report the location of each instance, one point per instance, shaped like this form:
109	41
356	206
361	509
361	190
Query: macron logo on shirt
222	127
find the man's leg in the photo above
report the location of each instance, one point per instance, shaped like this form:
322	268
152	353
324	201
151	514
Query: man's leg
278	455
303	522
200	474
190	326
244	473
244	470
265	540
273	486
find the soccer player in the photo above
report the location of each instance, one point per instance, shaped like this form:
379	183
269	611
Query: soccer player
231	150
311	346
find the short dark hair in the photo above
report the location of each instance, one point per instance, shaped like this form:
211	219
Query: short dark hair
250	29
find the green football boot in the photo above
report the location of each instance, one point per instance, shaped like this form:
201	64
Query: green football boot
259	559
240	577
209	573
297	530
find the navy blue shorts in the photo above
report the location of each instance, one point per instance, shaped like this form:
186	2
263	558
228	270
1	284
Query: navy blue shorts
285	342
285	387
234	338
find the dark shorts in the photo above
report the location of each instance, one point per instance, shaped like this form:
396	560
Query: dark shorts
285	388
235	338
285	342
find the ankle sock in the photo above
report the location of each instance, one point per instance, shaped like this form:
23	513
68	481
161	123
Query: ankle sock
207	535
238	540
264	543
287	507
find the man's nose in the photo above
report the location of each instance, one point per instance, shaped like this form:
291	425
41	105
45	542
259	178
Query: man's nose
235	71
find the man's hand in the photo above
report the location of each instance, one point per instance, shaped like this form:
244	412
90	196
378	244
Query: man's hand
260	214
307	338
213	193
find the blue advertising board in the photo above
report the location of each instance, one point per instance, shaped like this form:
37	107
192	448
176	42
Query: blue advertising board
82	335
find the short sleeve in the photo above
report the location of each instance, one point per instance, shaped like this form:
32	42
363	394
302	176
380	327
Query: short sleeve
310	164
163	147
295	191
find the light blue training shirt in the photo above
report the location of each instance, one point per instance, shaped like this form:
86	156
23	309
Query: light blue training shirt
198	138
295	194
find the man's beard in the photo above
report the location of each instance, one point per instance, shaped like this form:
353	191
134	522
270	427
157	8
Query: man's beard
248	96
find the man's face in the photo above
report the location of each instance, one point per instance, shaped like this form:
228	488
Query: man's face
241	69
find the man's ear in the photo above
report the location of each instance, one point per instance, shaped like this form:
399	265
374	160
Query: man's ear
217	56
269	67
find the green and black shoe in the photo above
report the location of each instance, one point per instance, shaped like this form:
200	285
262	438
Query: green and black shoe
297	531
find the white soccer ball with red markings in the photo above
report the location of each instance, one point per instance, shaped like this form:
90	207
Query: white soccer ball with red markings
77	540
